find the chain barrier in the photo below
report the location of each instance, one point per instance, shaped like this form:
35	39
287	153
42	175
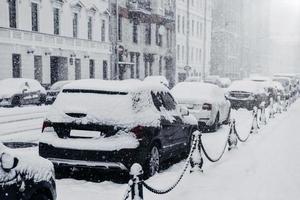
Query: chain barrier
194	159
165	191
220	156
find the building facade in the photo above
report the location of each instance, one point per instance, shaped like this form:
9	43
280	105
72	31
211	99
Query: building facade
240	38
193	38
143	36
52	40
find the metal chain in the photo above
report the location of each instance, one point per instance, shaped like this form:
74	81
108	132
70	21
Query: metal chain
165	191
209	157
239	137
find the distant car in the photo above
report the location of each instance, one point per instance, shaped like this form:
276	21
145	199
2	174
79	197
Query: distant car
286	83
110	125
54	91
213	79
225	82
205	101
268	85
194	79
21	91
158	79
246	94
25	177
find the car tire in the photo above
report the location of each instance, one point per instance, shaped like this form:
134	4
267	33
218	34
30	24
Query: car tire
153	162
216	124
40	196
16	101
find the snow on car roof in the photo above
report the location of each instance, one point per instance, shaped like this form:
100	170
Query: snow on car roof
194	90
13	81
159	79
116	86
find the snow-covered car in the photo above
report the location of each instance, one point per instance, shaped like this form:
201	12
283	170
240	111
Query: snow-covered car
54	90
194	79
109	125
205	101
286	82
213	79
21	91
268	85
25	176
225	82
246	94
158	79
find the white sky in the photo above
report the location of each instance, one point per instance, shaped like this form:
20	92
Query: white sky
285	18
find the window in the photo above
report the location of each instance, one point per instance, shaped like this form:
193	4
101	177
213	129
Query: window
92	69
183	25
156	98
120	28
90	28
193	27
160	65
148	33
34	17
135	32
105	75
178	23
38	70
75	25
77	69
103	31
178	51
16	66
131	65
158	36
137	65
56	21
168	101
12	13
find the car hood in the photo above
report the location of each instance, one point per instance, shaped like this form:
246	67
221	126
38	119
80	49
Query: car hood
30	167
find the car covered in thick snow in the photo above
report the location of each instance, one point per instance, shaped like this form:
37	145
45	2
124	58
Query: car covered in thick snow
21	91
246	94
158	79
205	101
110	125
25	176
54	90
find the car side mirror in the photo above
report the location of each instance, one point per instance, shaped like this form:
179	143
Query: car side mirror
8	162
184	111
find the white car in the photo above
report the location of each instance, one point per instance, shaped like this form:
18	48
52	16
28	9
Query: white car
205	101
21	91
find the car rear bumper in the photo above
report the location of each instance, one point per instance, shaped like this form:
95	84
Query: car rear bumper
117	160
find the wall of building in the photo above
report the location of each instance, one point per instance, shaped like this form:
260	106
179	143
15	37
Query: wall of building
44	43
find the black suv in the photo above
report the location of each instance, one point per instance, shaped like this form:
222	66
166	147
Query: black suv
110	125
25	177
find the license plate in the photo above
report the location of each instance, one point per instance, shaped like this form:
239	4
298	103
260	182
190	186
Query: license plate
85	134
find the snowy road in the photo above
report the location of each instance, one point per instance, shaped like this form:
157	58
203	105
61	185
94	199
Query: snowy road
266	167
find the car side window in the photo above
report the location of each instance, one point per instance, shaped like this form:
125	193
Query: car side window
168	101
156	97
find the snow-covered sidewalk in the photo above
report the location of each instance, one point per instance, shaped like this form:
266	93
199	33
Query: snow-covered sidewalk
264	168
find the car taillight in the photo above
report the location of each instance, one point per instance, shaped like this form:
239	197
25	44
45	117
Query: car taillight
207	106
46	124
138	132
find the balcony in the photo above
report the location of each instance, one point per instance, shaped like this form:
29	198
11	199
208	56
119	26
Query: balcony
139	6
28	38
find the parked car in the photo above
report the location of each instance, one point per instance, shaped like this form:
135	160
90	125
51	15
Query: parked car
25	177
54	90
21	91
194	79
205	101
286	83
268	85
109	125
158	79
213	79
246	94
225	82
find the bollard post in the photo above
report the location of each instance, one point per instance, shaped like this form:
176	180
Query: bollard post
262	117
232	138
272	112
279	104
136	171
196	160
285	104
254	128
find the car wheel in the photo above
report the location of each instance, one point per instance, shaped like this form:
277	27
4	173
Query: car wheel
216	124
40	196
153	163
16	101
